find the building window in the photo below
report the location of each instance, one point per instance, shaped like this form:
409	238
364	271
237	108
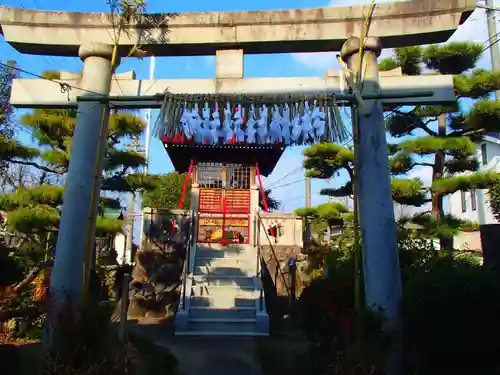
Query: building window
484	153
473	199
464	201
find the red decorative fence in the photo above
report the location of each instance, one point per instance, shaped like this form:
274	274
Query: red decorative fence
224	200
224	215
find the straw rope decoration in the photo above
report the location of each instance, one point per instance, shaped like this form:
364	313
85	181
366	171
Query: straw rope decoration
275	119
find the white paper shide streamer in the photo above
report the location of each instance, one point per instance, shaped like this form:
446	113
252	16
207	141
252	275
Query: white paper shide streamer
216	122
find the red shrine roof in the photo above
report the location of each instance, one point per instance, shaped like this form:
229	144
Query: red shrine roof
181	152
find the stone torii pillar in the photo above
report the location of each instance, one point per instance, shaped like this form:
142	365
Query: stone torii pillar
378	227
81	195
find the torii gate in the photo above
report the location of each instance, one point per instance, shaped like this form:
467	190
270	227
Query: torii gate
229	35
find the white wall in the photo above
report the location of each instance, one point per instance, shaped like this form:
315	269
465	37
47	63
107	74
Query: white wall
455	200
122	255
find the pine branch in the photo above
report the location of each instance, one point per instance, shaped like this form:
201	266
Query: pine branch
453	57
476	85
450	185
446	226
402	124
408	192
401	163
38	166
430	145
343	191
422	164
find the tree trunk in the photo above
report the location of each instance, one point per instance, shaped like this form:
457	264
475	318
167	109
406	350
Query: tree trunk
437	173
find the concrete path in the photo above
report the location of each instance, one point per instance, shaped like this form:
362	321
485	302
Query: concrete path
204	355
216	356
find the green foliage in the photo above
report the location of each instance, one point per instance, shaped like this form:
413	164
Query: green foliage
408	58
477	85
33	219
36	209
325	160
444	226
430	145
408	192
452	58
450	330
387	64
272	203
448	148
326	215
87	343
483	117
12	268
494	199
443	298
14	149
167	193
445	186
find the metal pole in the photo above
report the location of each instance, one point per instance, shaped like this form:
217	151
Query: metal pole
158	99
152	63
129	236
122	332
493	38
380	254
308	205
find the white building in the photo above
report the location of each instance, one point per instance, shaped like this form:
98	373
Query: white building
473	205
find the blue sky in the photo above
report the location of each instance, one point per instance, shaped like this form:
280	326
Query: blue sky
204	67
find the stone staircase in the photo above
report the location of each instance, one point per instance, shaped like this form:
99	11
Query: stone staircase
223	294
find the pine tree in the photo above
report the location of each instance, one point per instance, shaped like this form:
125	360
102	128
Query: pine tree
35	211
326	215
447	135
167	193
443	137
328	160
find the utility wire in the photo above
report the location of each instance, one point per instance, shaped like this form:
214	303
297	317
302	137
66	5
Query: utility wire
491	44
65	87
285	176
288	184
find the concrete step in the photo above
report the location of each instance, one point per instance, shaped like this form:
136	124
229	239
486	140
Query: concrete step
223	301
225	325
234	272
223	280
201	261
221	254
203	312
220	333
224	291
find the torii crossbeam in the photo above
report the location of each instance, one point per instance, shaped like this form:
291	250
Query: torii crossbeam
37	93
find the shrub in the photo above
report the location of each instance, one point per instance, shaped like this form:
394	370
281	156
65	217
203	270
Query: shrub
450	315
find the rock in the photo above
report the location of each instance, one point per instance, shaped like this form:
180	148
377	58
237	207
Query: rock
156	277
